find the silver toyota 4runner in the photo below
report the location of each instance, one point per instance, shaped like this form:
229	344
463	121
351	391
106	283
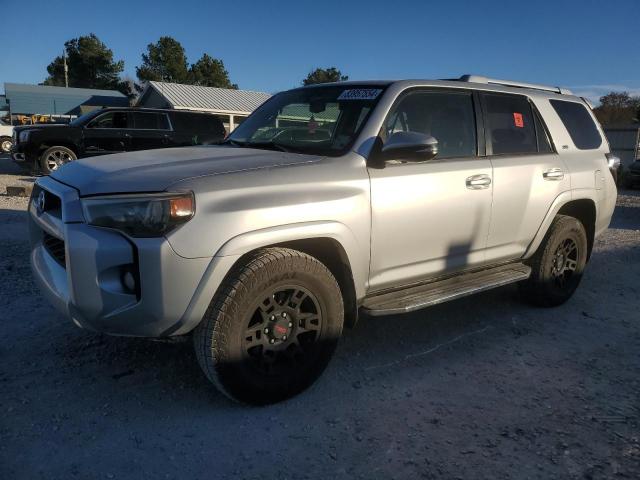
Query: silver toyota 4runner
329	200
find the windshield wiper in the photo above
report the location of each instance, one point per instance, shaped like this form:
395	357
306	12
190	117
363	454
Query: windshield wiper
265	144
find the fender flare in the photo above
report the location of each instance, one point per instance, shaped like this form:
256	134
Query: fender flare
559	202
233	249
358	262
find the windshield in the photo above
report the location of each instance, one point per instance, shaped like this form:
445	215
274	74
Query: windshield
317	120
82	119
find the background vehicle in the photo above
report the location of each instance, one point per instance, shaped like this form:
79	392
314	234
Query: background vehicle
46	147
6	137
405	195
633	175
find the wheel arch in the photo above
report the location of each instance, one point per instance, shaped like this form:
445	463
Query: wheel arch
330	242
582	208
62	143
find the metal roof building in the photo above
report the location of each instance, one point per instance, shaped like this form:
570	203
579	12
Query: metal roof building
26	99
232	106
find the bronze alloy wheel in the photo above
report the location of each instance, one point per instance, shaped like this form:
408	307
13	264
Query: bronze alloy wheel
272	327
282	330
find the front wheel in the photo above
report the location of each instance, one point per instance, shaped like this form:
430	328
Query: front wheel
54	157
558	265
272	328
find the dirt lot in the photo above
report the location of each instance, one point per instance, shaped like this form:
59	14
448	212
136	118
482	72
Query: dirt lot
483	387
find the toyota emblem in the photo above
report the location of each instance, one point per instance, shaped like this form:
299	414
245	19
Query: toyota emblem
40	202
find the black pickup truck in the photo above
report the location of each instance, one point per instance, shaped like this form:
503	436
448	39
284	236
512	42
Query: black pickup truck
46	147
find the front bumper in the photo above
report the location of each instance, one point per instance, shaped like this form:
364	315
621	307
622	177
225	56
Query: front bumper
80	270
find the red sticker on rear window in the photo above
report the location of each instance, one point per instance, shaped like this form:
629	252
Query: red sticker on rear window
517	120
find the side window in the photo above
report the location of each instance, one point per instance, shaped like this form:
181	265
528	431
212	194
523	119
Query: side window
579	124
510	124
110	120
447	116
150	121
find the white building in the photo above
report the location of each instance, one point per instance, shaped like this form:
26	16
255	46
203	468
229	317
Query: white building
232	106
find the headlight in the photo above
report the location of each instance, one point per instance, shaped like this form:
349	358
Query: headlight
140	215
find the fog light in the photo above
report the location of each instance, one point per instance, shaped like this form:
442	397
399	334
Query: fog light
129	281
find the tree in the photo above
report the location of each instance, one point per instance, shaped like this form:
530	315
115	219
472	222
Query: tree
324	75
165	61
210	72
90	64
618	108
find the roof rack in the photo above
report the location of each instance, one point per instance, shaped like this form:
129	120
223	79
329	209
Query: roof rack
509	83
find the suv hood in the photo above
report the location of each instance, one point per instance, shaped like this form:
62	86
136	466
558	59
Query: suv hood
42	126
156	170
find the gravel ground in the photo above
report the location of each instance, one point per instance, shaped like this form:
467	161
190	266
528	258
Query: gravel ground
483	387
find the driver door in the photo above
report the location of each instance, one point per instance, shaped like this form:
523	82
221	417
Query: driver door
431	218
108	133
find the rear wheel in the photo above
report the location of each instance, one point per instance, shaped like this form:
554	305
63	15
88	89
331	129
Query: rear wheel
5	144
558	265
54	157
272	328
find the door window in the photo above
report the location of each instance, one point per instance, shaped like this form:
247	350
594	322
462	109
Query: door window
110	120
447	116
150	121
510	124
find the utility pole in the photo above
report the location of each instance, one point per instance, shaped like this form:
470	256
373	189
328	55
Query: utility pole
66	69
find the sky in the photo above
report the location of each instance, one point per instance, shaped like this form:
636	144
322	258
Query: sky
590	46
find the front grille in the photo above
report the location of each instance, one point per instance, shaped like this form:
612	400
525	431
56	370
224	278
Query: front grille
55	247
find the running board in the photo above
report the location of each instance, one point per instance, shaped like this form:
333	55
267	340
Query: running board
439	291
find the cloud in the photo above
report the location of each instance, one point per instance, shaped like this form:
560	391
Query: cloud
594	92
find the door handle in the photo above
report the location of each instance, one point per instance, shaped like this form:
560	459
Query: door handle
478	182
553	174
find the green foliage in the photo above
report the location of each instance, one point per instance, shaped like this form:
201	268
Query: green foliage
324	75
165	61
617	108
210	72
90	64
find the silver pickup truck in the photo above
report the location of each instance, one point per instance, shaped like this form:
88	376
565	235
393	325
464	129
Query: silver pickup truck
328	201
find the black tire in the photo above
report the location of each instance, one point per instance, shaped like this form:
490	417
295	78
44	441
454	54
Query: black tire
54	157
558	265
277	289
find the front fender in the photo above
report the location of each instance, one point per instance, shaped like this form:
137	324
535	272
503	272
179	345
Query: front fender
232	250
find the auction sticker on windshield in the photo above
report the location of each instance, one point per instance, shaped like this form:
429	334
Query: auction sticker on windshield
360	94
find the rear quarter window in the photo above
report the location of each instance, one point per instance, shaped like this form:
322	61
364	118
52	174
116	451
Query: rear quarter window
579	124
197	123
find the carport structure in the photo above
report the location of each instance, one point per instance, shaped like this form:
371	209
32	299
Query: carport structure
44	100
232	106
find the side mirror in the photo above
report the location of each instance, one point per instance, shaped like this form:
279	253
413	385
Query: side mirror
410	147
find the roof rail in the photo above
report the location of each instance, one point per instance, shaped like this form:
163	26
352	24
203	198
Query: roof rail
509	83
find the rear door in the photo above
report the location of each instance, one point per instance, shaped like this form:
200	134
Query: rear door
150	130
107	133
528	174
431	217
